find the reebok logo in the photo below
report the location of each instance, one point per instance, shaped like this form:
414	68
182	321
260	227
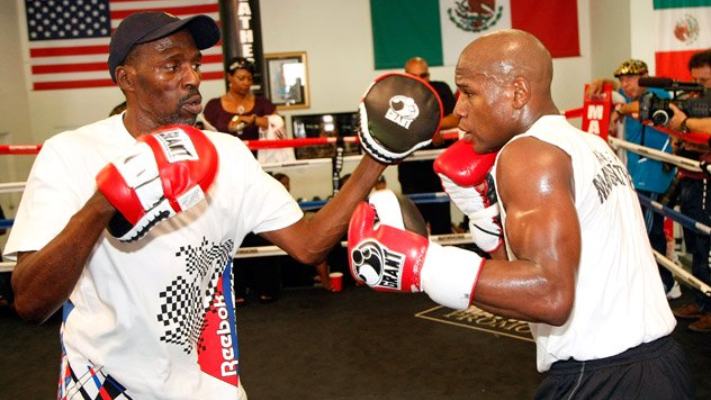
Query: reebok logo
403	110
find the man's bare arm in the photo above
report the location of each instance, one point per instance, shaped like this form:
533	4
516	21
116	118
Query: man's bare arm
309	240
42	280
542	231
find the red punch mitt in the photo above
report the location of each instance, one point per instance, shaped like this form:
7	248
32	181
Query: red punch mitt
164	173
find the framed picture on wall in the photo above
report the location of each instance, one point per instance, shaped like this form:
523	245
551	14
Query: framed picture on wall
287	79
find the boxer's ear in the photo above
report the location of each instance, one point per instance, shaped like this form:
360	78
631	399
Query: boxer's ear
521	92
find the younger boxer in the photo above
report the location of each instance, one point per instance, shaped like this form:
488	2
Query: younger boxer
576	262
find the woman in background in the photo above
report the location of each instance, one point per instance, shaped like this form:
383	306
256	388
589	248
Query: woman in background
240	112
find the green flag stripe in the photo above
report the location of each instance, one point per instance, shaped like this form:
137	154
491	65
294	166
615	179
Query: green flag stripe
662	4
404	29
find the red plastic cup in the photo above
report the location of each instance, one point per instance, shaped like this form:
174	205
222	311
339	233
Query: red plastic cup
336	281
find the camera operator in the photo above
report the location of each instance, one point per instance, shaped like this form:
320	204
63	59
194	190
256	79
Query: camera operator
695	196
651	178
700	68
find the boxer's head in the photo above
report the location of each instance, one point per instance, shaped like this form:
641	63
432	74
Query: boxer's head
155	58
504	79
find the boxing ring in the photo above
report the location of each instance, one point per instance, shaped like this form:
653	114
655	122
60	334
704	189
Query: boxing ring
338	160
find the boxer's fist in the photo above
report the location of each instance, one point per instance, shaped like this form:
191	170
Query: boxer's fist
390	258
165	172
466	179
398	115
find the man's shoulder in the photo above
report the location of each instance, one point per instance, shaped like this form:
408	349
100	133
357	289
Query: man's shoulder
83	134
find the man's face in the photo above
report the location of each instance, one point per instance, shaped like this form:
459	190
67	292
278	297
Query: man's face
484	108
630	85
418	69
702	75
167	74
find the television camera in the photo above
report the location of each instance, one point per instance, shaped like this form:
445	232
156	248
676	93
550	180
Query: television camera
691	98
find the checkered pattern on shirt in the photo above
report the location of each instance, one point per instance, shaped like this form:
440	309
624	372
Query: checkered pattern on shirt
183	303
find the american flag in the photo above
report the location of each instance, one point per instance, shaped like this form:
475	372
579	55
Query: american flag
69	39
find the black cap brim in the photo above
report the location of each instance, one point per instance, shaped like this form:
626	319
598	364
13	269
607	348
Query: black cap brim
202	28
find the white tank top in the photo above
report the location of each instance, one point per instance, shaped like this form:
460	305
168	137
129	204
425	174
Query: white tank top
619	296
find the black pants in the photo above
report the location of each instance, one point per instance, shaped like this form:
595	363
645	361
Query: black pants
652	371
695	202
655	230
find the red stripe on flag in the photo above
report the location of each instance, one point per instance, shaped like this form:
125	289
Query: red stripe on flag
201	9
212	75
673	64
553	22
69	51
60	68
72	84
211	58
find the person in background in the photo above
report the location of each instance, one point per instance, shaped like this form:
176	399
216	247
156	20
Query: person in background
651	178
418	176
241	113
121	107
695	197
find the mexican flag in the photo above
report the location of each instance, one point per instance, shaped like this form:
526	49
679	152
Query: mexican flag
683	28
438	30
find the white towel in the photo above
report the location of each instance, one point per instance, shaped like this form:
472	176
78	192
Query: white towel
274	131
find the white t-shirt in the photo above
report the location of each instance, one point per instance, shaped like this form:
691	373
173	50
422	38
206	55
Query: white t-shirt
619	297
155	317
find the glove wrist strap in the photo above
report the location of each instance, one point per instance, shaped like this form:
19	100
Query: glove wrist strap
449	275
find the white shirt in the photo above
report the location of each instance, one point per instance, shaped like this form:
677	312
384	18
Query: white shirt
156	316
619	297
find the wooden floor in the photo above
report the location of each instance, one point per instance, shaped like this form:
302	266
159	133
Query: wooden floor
357	344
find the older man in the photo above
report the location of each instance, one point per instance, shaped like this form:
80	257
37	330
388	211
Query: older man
153	318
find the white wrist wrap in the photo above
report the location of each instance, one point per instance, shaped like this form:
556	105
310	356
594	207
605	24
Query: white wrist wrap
449	274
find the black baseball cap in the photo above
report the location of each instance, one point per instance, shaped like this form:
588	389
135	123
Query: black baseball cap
144	27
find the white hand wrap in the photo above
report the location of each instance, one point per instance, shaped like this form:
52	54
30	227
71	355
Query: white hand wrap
449	275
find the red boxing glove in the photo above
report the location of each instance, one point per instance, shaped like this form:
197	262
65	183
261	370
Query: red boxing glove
165	172
462	165
396	260
466	179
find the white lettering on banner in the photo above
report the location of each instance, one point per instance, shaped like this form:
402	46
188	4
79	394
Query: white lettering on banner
594	127
224	331
243	8
246	35
247	51
595	111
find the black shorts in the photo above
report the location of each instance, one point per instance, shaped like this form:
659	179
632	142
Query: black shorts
655	371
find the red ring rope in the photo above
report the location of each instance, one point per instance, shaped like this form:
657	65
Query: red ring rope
693	137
